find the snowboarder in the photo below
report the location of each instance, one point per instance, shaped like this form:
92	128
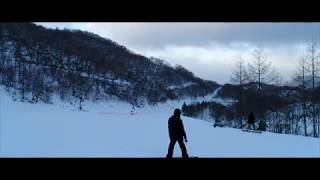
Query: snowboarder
262	126
251	120
176	133
132	110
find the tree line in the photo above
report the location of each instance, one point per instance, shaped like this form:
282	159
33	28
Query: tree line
256	86
283	117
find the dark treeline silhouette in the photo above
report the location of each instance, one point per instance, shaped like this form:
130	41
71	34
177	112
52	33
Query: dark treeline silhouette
271	102
37	63
258	88
280	108
217	111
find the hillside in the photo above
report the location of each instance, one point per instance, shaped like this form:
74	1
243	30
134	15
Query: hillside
79	66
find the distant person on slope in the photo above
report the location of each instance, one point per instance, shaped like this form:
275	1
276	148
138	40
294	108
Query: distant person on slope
251	120
176	133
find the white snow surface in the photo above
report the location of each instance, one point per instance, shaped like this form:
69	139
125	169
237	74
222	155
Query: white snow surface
108	129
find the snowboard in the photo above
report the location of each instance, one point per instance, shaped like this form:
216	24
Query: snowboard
190	157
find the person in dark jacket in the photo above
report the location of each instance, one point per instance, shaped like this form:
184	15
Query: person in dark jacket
262	125
251	120
176	133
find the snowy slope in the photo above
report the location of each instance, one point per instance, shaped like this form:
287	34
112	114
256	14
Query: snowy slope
109	130
211	97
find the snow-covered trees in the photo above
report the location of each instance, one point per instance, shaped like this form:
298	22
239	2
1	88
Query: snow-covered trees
313	61
257	76
283	109
78	66
307	77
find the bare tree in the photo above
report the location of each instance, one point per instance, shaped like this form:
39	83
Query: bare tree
2	57
300	78
312	61
261	72
21	70
240	77
260	69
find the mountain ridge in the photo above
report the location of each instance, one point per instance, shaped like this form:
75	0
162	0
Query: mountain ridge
79	62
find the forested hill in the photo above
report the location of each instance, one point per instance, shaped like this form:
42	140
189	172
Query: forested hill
37	63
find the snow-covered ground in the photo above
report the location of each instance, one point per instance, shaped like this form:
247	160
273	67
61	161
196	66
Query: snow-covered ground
110	130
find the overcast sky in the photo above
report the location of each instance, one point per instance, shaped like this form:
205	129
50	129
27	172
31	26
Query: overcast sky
209	50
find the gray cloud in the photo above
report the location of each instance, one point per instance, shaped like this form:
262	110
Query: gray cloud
209	49
215	62
64	25
159	35
57	25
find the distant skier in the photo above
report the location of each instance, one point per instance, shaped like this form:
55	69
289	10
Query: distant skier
262	125
176	133
251	120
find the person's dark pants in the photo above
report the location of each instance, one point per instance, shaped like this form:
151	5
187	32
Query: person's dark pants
181	144
251	125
